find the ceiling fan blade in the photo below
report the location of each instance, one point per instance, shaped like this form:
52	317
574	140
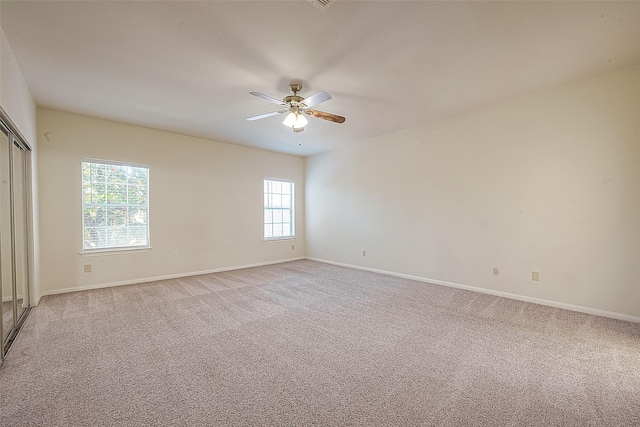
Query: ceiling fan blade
268	98
316	99
326	116
262	116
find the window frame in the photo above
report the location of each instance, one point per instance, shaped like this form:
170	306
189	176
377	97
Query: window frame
291	209
115	249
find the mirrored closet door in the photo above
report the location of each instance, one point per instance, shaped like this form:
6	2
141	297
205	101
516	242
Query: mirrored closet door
13	236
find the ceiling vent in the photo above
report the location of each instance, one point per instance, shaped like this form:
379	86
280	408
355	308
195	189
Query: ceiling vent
323	5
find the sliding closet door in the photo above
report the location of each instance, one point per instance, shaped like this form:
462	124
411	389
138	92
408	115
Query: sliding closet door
19	205
6	252
14	271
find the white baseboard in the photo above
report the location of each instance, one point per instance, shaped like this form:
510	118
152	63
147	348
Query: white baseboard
153	279
581	309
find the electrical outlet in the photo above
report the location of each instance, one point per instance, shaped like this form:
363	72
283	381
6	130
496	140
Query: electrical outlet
87	268
293	247
496	271
364	253
535	276
175	254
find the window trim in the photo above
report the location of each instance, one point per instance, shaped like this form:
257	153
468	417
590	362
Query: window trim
293	211
117	249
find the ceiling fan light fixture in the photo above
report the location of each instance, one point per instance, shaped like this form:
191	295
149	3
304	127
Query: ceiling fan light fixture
301	121
295	121
290	120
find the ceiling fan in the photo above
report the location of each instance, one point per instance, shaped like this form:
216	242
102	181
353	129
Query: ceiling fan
298	107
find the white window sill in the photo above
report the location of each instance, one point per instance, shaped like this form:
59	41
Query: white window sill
279	239
119	251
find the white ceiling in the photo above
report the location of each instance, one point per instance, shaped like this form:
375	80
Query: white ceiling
188	67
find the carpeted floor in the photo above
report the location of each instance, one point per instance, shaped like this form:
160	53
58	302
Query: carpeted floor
307	343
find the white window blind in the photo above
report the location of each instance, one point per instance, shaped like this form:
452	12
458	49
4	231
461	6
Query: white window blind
278	210
115	205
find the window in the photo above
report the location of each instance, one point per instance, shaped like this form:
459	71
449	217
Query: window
278	210
115	205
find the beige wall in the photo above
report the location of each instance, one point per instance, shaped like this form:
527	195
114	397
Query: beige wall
18	104
15	97
547	183
205	202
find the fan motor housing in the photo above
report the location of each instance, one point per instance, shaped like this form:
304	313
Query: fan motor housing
293	99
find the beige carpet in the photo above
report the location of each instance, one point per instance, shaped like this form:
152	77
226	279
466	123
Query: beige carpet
311	344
